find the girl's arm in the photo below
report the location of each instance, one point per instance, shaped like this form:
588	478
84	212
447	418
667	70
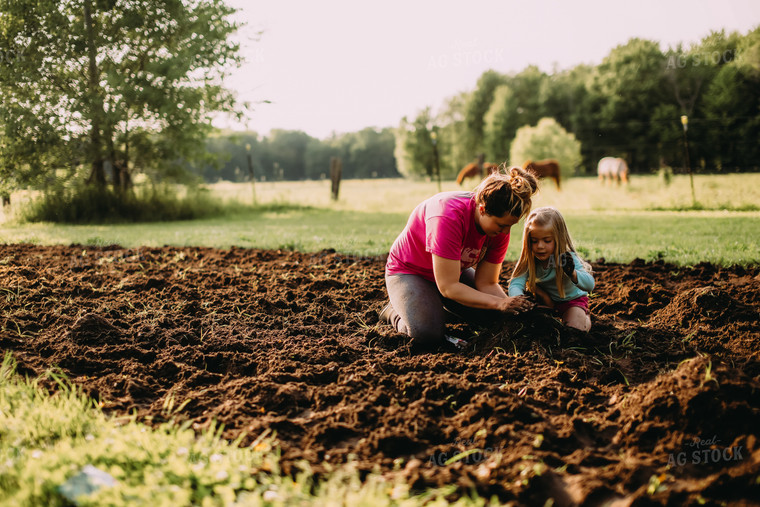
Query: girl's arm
447	273
582	278
517	285
517	288
544	297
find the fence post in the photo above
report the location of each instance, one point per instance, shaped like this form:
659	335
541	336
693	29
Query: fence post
336	169
251	175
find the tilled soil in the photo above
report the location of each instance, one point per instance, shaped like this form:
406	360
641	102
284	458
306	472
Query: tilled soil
658	403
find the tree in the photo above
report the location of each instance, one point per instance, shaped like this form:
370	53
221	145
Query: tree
228	151
501	124
569	98
368	154
414	146
478	104
630	81
547	140
688	74
114	86
731	106
451	131
515	104
288	148
528	89
317	157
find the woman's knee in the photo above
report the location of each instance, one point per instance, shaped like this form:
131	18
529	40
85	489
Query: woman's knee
426	333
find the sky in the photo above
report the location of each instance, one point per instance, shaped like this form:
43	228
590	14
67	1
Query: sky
337	66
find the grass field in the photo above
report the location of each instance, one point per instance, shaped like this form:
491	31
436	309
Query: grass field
647	219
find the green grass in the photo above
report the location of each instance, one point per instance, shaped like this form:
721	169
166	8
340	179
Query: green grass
684	238
616	223
294	228
46	441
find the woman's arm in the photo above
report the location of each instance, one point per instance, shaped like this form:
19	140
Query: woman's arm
517	285
487	279
447	273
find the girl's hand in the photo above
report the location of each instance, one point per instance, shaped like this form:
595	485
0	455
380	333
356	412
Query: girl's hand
515	305
568	266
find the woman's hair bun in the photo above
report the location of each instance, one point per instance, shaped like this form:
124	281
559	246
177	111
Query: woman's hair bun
507	191
524	183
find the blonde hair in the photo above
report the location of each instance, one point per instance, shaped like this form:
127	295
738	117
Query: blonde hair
552	218
509	190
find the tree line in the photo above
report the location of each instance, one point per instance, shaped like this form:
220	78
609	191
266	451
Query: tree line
630	105
295	155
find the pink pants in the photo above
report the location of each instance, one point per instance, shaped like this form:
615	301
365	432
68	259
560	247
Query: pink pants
581	302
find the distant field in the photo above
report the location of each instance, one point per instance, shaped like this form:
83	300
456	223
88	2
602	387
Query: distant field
617	223
733	192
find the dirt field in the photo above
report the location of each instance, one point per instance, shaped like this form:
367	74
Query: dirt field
659	403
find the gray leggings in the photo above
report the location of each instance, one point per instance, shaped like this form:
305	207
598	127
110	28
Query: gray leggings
419	309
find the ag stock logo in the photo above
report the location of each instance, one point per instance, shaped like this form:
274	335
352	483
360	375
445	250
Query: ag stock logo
705	451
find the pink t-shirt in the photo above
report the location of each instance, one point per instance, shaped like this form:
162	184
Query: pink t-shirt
443	225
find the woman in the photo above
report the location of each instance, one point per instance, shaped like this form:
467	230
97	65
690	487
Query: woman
449	256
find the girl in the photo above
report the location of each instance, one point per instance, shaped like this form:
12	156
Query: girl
449	256
546	246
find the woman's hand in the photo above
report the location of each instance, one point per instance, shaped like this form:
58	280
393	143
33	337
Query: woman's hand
515	305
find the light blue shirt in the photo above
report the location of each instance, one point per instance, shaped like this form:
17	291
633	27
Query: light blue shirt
546	279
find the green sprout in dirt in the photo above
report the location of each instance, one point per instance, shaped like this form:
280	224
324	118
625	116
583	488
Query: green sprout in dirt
708	375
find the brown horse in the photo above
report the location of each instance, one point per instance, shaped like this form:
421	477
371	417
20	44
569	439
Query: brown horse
548	168
472	170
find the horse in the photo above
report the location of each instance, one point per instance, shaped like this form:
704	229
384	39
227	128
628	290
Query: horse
548	168
613	168
472	170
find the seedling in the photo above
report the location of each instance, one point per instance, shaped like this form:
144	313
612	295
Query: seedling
460	456
656	484
708	375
